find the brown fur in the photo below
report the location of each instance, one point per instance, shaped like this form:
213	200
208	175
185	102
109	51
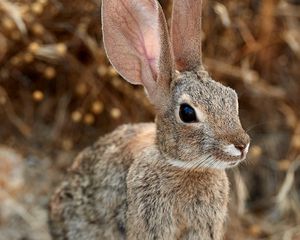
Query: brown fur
184	204
142	140
155	181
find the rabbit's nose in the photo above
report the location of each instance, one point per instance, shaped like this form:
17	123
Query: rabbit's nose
242	143
243	148
240	147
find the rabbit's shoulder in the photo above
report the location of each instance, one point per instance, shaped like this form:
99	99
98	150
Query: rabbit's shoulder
115	148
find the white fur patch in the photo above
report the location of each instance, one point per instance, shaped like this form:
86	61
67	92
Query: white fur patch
179	163
203	162
231	150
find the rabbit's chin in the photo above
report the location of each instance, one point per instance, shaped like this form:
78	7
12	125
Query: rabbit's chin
228	161
206	162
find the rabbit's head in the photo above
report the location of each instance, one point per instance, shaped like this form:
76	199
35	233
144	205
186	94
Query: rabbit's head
197	118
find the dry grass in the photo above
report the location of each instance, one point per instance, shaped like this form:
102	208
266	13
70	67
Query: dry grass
58	93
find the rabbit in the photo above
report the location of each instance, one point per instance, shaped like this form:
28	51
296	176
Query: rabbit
163	180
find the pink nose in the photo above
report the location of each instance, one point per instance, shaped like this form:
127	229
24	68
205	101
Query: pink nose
241	147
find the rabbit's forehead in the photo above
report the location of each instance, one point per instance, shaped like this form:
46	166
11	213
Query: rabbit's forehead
207	93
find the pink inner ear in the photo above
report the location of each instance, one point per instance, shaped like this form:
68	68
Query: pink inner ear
131	31
147	40
152	51
135	35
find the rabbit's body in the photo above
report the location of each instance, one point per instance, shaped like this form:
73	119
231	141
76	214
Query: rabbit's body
166	180
140	191
91	203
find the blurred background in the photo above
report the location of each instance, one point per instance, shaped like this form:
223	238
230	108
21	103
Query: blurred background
58	94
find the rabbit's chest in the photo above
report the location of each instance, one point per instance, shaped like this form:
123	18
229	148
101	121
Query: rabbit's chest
168	206
198	208
197	217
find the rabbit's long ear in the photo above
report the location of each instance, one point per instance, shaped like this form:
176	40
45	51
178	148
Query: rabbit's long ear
186	34
137	44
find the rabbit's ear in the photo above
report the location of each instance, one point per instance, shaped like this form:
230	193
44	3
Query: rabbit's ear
186	34
136	40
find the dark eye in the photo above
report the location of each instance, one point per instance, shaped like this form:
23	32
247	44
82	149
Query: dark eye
187	113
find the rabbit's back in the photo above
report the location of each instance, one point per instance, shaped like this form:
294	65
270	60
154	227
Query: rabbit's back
91	203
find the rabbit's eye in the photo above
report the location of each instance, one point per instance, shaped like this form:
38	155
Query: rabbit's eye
187	113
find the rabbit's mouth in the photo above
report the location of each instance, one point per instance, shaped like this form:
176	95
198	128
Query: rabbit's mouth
236	152
228	156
